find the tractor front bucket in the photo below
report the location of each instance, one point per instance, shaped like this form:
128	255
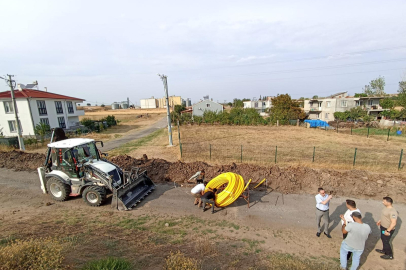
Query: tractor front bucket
128	195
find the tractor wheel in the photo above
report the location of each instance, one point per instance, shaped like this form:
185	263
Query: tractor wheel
59	190
94	195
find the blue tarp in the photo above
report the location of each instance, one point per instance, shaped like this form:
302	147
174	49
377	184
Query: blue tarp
317	123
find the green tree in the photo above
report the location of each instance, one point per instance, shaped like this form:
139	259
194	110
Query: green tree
387	103
360	95
367	90
285	109
315	97
179	108
378	86
402	94
342	116
41	129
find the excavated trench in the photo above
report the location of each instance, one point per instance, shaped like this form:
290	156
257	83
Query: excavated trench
299	180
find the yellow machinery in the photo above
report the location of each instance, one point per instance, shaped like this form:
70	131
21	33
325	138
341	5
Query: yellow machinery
235	187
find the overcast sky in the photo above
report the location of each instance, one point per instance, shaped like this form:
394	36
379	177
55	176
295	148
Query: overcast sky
106	51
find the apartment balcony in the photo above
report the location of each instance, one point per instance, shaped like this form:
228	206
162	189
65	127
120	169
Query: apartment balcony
317	110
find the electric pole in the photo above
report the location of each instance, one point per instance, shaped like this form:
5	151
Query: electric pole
164	80
20	138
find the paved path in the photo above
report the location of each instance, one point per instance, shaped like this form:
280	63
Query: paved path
137	134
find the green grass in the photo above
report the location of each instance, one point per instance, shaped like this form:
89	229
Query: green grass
130	146
137	224
7	240
108	264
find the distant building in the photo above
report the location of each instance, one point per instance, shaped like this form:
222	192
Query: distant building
206	105
149	103
188	102
324	108
260	105
34	107
173	100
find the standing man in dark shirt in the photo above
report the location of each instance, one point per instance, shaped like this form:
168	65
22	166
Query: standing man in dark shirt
209	197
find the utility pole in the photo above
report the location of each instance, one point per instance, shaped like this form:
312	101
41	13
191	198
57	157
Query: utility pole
20	138
164	80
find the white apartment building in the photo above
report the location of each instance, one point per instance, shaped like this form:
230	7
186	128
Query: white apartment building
34	107
149	103
260	105
324	108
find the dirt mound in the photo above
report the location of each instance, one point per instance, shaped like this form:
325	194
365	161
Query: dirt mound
352	183
21	161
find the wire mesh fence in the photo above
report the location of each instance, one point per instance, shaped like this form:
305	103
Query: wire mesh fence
340	157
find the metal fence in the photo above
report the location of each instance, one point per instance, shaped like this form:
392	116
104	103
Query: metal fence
339	158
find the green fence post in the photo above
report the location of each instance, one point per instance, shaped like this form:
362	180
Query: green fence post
337	126
388	134
314	151
180	144
241	153
210	151
400	159
368	133
355	156
181	151
351	130
276	152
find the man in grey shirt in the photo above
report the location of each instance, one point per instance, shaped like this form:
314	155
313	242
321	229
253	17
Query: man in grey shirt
357	234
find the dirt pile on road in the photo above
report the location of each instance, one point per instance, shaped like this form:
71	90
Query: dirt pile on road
21	161
352	183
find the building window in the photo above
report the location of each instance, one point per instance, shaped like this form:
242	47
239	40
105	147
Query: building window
44	121
70	106
8	106
13	127
328	104
357	103
326	116
370	102
58	106
207	105
42	109
61	121
263	103
344	103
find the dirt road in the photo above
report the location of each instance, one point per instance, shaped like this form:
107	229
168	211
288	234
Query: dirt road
284	223
137	134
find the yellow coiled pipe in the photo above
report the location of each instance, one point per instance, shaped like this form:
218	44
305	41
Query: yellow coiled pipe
234	189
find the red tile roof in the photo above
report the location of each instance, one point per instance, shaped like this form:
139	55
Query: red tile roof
31	93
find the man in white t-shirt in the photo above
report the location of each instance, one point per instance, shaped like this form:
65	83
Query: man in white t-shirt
352	207
322	211
197	193
358	233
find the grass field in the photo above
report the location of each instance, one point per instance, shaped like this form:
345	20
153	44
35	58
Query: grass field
289	146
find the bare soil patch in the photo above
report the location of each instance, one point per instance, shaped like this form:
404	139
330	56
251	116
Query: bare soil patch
298	180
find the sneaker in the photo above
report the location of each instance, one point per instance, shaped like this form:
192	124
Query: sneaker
380	251
387	257
328	235
318	234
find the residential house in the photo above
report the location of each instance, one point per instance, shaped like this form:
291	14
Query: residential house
260	105
34	107
324	108
206	105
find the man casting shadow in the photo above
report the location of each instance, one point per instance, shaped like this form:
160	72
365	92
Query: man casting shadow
335	216
373	238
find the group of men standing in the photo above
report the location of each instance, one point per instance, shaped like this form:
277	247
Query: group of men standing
355	232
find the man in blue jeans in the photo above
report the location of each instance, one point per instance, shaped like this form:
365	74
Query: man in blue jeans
357	234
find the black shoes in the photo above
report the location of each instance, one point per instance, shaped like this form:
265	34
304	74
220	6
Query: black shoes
328	235
380	251
387	257
318	234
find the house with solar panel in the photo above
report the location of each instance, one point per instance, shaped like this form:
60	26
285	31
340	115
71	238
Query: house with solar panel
37	106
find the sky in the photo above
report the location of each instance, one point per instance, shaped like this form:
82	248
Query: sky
106	51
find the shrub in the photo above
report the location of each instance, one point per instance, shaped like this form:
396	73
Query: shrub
40	253
88	123
108	264
178	261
